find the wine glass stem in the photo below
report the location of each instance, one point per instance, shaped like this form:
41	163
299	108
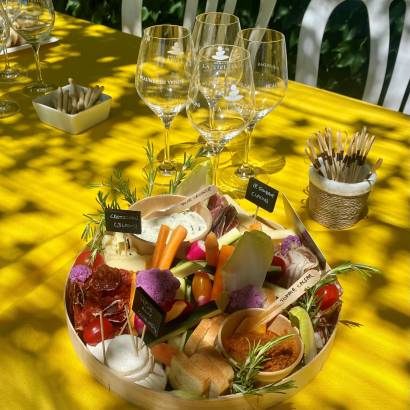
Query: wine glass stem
166	144
36	51
248	135
215	165
6	56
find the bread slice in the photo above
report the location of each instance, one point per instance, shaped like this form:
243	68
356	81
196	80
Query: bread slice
219	362
197	335
218	383
210	336
186	376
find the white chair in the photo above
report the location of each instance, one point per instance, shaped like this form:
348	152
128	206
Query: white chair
131	13
311	36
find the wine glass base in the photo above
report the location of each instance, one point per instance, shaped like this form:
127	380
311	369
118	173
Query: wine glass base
36	89
165	172
10	74
246	171
8	108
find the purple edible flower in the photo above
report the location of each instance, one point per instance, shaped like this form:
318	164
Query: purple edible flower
289	243
247	297
80	273
160	285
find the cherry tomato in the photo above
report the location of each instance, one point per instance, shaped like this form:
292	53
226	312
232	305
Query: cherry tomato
92	331
329	294
279	261
201	286
84	259
138	324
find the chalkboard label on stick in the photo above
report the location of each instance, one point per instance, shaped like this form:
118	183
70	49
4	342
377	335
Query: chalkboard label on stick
148	311
118	220
261	195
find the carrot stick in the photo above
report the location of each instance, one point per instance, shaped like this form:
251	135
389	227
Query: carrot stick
132	294
160	245
224	255
211	249
256	226
177	237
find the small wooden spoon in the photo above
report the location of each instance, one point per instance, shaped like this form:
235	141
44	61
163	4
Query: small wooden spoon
186	203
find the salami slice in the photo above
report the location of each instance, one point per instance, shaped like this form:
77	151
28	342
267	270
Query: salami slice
105	279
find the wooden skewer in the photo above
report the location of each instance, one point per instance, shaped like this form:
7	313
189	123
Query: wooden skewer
102	336
375	167
144	329
130	329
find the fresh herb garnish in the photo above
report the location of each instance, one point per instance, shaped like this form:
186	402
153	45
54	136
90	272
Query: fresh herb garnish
150	171
310	301
118	190
245	373
187	163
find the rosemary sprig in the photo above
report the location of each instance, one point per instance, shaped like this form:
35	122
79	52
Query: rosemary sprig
245	373
94	230
150	171
187	163
311	302
119	187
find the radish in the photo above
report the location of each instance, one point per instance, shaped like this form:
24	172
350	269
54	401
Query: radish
196	251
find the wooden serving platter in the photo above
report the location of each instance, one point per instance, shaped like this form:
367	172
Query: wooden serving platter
149	399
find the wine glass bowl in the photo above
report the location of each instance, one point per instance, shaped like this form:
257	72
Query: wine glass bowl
215	28
162	77
221	95
267	50
33	20
7	107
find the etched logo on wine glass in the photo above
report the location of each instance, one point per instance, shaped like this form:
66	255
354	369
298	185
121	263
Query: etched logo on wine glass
176	50
233	94
220	54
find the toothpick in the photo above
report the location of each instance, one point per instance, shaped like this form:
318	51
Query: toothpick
102	336
130	329
373	169
143	333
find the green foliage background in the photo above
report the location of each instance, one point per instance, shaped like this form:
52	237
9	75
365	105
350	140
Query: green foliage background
345	47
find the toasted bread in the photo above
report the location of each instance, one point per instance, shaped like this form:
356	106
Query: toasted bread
219	362
186	376
218	383
210	336
198	334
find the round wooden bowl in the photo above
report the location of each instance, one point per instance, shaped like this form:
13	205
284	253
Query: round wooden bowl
280	325
148	399
154	203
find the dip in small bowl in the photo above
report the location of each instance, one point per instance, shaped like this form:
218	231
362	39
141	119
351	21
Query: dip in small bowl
283	357
197	221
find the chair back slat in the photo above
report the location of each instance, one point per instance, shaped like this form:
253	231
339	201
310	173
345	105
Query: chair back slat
131	17
401	71
379	25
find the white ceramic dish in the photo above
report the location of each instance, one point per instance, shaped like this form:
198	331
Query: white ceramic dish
72	123
15	49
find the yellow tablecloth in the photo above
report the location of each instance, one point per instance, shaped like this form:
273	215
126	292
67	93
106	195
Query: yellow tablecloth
44	173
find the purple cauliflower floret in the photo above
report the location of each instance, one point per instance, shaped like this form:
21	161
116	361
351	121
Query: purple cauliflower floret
289	243
80	273
160	285
247	297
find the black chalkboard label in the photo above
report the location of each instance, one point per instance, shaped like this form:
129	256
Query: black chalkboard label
261	194
117	220
148	311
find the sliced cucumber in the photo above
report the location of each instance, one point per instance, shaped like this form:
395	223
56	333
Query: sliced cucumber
300	318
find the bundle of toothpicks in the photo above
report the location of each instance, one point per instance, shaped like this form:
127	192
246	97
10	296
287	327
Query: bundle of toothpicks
342	159
76	98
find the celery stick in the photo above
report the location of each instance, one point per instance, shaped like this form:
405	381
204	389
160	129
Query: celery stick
229	237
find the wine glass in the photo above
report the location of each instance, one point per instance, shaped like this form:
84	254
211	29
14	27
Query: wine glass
215	28
8	73
221	96
162	77
33	20
7	107
267	49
